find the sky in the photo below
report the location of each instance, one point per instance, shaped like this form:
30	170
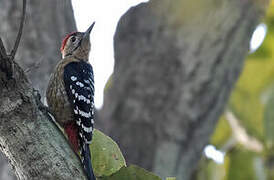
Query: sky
106	15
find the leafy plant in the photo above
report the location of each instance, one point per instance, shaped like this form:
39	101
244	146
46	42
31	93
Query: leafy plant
109	163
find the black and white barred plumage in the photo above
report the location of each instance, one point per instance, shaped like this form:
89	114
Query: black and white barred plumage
79	85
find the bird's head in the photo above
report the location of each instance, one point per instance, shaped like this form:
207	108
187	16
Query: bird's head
77	44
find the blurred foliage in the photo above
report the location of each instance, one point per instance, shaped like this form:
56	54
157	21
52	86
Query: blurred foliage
211	170
269	121
255	86
241	165
222	133
109	83
132	173
170	178
247	98
266	50
252	102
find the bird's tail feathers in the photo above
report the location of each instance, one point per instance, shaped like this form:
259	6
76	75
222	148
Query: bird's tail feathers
86	160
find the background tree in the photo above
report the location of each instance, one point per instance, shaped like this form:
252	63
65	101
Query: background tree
176	63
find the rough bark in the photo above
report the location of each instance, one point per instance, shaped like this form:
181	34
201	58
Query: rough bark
175	65
34	146
46	24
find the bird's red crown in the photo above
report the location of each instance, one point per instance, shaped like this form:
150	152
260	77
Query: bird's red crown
65	40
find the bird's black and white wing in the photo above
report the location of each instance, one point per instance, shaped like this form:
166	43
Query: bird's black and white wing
79	85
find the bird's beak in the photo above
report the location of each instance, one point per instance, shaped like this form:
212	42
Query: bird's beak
85	40
87	33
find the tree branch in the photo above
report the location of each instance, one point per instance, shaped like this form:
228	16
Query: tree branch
240	134
35	147
3	53
16	44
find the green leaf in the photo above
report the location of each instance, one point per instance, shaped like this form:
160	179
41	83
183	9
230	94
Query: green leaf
132	173
106	155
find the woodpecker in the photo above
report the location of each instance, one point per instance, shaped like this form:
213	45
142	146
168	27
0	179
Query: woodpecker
70	95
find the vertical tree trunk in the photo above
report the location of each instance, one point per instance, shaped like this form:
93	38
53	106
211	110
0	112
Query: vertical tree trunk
175	65
46	24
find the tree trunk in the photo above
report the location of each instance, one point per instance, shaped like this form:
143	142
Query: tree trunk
46	24
32	143
175	65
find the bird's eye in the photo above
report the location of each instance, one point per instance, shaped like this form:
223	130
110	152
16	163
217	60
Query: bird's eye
73	39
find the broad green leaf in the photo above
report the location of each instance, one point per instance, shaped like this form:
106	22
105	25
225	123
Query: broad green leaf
132	173
106	155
